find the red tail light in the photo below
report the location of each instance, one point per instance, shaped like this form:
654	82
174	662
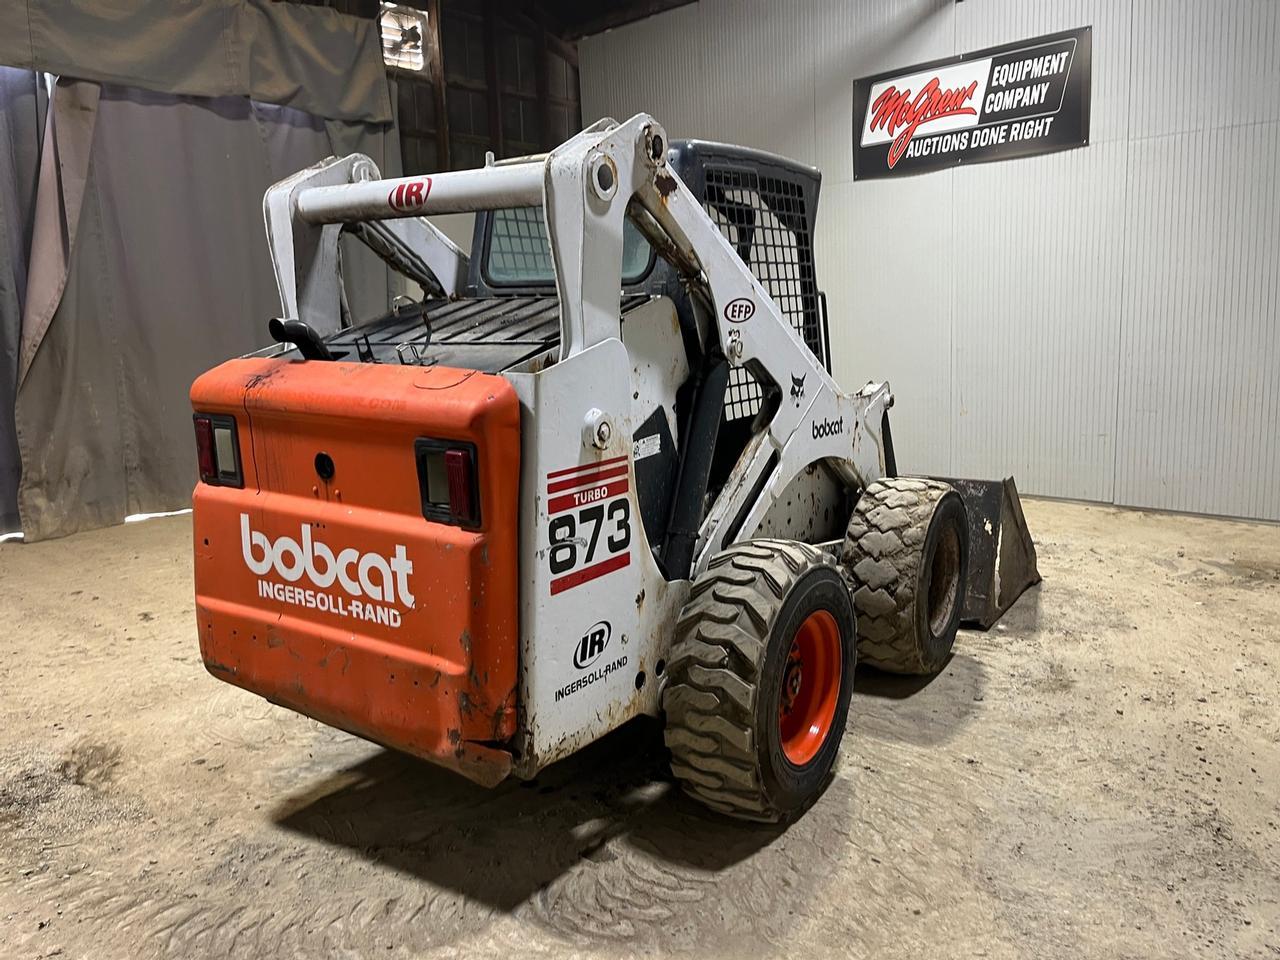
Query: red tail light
204	449
458	465
448	482
218	450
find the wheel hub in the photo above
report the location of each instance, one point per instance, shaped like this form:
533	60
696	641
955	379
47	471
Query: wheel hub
794	679
810	688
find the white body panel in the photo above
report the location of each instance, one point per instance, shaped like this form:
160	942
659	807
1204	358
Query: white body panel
586	564
651	335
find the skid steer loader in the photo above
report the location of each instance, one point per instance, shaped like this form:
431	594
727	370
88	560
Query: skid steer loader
598	469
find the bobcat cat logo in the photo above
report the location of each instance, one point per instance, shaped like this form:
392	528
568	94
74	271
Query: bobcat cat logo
797	388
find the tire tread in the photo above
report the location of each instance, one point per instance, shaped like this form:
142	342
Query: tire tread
714	672
882	551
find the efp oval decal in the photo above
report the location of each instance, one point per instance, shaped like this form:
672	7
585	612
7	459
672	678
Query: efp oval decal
592	644
739	310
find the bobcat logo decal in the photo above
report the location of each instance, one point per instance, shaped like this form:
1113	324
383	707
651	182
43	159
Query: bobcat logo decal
797	388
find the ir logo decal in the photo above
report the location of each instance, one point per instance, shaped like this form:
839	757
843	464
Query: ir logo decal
590	649
409	196
592	644
739	310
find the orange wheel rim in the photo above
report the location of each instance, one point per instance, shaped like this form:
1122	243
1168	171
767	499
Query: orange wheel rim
810	688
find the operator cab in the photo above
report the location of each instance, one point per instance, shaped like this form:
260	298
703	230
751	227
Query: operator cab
766	207
695	414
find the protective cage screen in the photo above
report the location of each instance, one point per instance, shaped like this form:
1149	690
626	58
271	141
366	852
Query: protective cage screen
518	247
519	252
766	221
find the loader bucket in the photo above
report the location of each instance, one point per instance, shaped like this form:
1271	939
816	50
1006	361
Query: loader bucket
1002	558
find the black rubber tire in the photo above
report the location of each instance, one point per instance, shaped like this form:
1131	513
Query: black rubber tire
906	552
725	674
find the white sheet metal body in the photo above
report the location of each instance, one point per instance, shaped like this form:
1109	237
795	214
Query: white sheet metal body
596	614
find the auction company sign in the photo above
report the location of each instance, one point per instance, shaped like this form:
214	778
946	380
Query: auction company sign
1015	100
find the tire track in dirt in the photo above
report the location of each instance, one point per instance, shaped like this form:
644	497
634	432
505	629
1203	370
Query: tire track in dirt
268	916
395	852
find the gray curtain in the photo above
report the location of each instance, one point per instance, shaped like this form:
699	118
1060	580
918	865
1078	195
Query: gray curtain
309	58
169	275
21	104
132	248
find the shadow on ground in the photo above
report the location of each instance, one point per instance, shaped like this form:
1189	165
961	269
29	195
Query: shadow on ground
1023	618
873	682
922	711
500	846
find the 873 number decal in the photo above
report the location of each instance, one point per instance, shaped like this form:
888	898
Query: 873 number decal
567	551
589	523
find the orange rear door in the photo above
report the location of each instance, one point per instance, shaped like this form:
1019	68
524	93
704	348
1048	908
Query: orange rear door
365	574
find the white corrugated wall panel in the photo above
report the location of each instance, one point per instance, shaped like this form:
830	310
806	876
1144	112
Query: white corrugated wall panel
888	286
1199	424
644	67
890	309
1200	66
857	39
988	23
1200	352
1099	322
713	70
1038	287
1037	320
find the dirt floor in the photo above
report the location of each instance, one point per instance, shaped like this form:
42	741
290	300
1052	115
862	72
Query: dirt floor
1099	776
